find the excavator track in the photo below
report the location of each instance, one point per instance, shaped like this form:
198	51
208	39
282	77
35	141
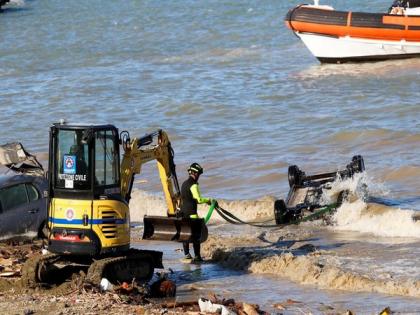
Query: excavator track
135	264
34	271
54	268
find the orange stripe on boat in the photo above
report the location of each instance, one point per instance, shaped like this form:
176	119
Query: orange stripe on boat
401	20
362	32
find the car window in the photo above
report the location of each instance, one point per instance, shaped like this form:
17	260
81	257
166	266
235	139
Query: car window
14	196
33	193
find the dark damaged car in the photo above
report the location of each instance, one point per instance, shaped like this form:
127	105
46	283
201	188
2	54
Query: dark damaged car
23	194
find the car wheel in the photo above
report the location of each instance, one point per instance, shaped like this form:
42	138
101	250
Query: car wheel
294	175
280	211
358	164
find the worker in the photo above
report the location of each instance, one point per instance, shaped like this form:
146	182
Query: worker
190	197
398	6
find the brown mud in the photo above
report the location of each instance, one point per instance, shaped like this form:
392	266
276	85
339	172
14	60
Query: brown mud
14	258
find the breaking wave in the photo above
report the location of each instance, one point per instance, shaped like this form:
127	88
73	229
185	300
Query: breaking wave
360	216
144	203
377	219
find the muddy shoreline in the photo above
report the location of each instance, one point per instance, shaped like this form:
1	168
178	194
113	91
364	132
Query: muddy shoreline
287	253
292	255
75	296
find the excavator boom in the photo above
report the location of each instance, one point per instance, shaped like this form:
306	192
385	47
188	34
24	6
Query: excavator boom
156	146
153	146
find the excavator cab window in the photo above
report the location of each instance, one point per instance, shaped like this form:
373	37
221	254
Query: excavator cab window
106	159
85	161
72	160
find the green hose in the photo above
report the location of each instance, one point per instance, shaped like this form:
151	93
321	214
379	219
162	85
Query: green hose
210	212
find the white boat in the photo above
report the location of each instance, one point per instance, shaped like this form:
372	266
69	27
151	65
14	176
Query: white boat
341	36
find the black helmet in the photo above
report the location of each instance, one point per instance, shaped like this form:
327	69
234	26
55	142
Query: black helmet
196	168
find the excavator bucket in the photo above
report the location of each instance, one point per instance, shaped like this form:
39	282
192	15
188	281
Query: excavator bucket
161	228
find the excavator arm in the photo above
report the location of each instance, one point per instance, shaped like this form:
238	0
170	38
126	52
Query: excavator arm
156	146
153	146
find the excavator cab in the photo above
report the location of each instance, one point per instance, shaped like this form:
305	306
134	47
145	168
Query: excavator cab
87	215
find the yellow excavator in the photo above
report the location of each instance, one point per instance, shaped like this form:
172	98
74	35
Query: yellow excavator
88	215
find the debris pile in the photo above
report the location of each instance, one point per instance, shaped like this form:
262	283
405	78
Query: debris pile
13	254
216	304
212	304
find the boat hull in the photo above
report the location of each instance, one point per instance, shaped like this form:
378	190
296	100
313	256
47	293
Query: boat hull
328	49
339	36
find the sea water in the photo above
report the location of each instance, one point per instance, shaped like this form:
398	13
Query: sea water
234	88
